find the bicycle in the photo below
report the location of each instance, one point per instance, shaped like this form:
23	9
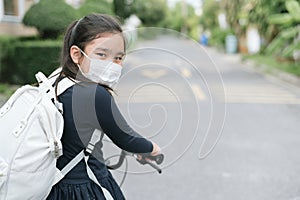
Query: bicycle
140	158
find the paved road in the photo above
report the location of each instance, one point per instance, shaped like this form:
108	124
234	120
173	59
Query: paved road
188	99
175	94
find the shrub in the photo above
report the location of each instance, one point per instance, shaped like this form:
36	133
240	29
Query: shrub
50	18
7	45
29	57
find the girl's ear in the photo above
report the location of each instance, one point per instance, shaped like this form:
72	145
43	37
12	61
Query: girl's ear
75	54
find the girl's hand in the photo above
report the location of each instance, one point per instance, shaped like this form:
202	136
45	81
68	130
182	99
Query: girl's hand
156	149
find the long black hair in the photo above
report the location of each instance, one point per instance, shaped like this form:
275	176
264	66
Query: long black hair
80	33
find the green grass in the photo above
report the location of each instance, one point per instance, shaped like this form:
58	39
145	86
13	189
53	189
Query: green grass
6	89
270	62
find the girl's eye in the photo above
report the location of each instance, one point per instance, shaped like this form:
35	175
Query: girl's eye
102	55
120	58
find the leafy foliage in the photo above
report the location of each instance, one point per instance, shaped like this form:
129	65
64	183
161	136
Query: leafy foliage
209	18
122	8
218	37
26	58
150	12
233	16
50	17
187	24
6	48
95	6
259	13
287	41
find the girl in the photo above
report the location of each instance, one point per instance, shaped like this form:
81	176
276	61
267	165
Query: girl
93	51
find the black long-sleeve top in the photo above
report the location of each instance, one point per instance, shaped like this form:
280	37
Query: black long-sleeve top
88	107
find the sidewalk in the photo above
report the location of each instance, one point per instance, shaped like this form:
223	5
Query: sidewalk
260	68
284	76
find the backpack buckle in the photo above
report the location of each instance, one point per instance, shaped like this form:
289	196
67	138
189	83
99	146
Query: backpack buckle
56	148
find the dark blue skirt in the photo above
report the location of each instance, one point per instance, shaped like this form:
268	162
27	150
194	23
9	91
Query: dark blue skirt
86	191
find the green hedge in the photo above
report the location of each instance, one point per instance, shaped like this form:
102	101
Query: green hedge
26	58
7	45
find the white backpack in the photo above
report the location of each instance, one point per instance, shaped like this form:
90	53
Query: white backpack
31	126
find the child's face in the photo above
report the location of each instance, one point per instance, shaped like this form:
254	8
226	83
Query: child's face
107	47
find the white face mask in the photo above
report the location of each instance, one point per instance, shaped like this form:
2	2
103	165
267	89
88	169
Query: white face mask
102	71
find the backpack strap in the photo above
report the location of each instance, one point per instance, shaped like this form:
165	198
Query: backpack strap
44	88
64	84
93	178
85	154
60	87
96	137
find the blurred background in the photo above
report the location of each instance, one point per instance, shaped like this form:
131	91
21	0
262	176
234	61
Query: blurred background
199	75
267	32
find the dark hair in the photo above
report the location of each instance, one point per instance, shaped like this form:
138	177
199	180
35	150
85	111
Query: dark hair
80	33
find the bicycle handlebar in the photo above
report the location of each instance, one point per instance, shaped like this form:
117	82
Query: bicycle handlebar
142	159
120	161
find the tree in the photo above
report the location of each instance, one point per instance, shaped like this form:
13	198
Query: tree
119	8
209	22
96	6
209	17
259	12
187	24
50	18
174	19
233	11
122	8
151	12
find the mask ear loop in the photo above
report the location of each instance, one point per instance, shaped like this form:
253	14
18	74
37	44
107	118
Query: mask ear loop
84	54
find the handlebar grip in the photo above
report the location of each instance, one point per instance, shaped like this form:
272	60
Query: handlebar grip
144	161
158	158
154	166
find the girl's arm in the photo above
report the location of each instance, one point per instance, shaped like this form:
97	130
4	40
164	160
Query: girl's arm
116	128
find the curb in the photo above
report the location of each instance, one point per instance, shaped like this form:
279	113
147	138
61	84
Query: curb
261	68
266	70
